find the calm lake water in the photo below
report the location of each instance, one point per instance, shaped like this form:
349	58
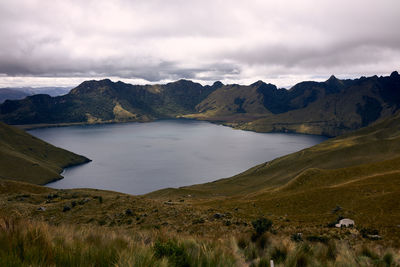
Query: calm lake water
138	158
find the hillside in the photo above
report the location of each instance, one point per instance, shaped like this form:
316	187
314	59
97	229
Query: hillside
106	101
356	176
40	226
328	108
26	158
375	143
359	172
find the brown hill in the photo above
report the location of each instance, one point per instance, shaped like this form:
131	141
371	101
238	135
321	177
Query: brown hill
327	108
27	158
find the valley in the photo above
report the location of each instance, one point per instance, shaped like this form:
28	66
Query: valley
329	108
353	175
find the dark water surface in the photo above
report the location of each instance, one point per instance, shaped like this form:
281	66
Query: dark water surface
138	158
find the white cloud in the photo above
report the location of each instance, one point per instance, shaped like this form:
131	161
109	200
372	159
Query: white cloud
233	41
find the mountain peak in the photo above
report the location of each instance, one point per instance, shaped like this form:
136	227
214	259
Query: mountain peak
181	82
217	84
257	83
91	86
332	78
184	81
394	74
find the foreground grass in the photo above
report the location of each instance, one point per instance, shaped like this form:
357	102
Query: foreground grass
30	243
39	244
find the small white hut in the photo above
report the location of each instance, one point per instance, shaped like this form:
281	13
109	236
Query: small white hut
345	223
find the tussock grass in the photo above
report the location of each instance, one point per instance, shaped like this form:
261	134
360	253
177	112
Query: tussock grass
285	252
33	243
39	244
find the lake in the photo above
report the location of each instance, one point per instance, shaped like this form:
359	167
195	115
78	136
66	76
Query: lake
138	158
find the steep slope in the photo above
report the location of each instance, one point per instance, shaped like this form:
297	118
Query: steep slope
235	99
328	108
26	158
106	101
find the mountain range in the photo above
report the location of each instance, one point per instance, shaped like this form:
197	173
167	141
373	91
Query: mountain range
327	108
303	195
12	94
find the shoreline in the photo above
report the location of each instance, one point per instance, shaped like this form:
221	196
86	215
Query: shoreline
87	160
235	126
64	124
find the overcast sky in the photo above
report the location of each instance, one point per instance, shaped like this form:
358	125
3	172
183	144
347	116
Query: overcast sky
54	42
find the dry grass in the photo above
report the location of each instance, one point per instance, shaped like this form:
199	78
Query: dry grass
28	243
33	243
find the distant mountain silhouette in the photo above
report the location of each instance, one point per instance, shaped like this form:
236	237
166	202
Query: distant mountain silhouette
15	93
12	94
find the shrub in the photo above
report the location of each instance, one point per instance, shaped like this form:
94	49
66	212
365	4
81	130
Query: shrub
366	232
175	253
336	209
318	238
261	225
198	221
262	242
388	259
242	242
279	254
102	222
297	237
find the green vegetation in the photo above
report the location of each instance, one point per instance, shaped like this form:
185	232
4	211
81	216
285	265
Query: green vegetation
261	225
328	108
26	158
105	101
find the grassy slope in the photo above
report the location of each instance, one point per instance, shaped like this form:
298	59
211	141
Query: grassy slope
360	172
376	143
31	243
27	158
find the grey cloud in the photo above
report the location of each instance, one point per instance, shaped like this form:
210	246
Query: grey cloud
204	40
328	56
